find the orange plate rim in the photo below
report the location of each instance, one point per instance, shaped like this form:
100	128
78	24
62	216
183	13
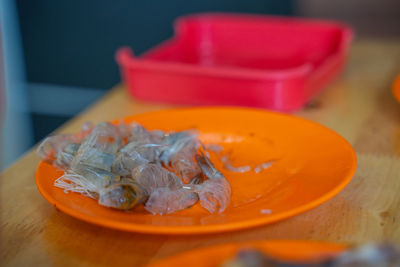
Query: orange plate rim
278	244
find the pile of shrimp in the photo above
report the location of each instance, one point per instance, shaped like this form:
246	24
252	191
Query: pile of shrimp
125	165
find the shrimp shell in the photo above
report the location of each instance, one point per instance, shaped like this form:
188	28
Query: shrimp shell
184	164
98	149
262	166
133	155
73	182
180	154
50	146
124	195
165	201
214	193
165	189
66	155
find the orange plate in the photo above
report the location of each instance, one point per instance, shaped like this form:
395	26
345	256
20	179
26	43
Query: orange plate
292	251
312	164
396	88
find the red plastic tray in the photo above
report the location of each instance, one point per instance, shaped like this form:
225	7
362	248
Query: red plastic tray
249	60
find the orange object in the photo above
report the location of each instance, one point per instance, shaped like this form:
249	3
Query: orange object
396	88
311	165
292	251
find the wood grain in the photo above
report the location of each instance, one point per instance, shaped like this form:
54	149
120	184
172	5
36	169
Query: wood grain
358	105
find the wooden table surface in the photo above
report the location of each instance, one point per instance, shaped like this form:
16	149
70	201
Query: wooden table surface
359	106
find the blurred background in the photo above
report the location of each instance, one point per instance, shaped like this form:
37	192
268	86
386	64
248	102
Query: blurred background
57	57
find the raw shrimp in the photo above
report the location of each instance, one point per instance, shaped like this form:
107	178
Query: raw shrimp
137	133
124	165
73	182
214	193
86	129
96	155
88	181
123	195
133	155
60	149
50	146
99	148
161	189
144	147
165	190
66	155
180	154
184	163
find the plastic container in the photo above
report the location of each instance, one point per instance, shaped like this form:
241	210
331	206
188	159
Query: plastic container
248	60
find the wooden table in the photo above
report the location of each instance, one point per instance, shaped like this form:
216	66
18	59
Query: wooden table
358	105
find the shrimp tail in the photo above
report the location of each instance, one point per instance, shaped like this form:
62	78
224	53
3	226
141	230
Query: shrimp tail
207	168
198	179
214	193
